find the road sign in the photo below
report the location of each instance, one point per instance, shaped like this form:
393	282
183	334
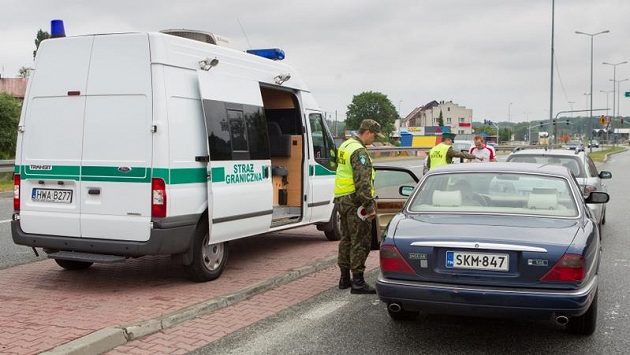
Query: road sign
602	120
627	93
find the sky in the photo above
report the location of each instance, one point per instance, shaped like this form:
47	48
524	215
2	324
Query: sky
492	56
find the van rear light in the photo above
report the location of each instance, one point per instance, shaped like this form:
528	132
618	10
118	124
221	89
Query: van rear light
16	193
570	268
158	198
392	261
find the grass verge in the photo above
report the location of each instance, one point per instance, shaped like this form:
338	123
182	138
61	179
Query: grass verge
6	182
600	155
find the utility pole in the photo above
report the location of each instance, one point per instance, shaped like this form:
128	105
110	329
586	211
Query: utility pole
553	7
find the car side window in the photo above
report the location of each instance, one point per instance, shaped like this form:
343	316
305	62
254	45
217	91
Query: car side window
591	167
323	144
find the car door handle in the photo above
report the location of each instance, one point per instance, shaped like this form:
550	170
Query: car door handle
202	158
94	191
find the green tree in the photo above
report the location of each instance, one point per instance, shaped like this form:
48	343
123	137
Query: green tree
24	72
374	105
9	118
441	119
41	35
504	134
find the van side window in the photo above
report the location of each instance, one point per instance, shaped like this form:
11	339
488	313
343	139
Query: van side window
323	144
235	131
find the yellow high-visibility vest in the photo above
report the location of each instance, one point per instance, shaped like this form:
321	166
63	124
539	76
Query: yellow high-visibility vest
438	155
344	182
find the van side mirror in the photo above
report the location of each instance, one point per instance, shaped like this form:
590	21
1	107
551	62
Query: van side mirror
597	197
605	175
405	190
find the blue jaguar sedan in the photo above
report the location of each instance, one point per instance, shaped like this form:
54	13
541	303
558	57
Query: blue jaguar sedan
491	240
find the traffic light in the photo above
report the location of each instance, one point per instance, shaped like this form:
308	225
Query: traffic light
540	125
567	122
621	120
554	121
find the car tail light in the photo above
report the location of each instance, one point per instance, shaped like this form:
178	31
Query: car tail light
569	268
158	200
16	193
392	261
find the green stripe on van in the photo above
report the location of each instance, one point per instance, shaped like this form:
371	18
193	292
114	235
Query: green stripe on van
113	174
320	170
16	169
218	174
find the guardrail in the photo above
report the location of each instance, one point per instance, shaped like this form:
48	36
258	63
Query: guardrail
6	166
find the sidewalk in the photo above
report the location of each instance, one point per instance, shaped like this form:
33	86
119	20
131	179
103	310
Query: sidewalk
43	306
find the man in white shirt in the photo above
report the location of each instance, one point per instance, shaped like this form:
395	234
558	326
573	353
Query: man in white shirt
481	150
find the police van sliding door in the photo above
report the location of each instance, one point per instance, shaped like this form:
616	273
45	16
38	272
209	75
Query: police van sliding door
239	179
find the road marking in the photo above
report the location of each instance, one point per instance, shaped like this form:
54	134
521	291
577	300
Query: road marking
5	221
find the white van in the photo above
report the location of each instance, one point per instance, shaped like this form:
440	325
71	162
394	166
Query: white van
149	143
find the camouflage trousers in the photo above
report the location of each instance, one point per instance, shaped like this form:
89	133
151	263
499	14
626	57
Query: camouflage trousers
356	235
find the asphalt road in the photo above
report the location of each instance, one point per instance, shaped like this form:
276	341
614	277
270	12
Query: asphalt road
337	322
11	254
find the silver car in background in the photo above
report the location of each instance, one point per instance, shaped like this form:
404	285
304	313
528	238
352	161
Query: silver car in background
581	166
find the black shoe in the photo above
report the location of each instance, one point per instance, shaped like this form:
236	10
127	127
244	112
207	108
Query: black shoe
360	287
344	280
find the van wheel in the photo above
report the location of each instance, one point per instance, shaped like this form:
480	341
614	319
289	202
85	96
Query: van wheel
335	231
73	265
208	261
586	323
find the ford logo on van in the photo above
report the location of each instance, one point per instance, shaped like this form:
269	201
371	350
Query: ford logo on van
124	169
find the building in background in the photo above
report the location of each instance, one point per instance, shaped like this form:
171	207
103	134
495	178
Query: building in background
15	87
457	118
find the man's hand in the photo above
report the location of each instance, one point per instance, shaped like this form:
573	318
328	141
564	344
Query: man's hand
480	158
371	215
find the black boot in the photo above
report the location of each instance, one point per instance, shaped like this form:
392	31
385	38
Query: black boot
344	280
359	286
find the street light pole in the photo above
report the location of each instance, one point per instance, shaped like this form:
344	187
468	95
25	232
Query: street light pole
590	119
614	65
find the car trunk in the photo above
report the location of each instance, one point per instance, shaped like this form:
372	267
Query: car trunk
483	250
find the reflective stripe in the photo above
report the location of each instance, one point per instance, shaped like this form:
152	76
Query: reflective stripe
438	155
344	181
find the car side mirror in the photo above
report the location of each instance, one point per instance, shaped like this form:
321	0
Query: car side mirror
597	197
605	175
405	190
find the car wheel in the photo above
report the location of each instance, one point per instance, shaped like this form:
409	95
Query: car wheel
334	232
403	315
208	260
586	323
73	264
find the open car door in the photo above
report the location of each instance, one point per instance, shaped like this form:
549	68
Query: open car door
389	201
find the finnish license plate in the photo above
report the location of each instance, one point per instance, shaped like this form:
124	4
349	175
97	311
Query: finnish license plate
52	195
477	261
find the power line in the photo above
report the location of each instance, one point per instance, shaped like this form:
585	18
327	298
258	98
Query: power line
564	90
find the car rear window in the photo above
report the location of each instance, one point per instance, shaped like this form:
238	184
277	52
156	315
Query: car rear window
572	163
496	193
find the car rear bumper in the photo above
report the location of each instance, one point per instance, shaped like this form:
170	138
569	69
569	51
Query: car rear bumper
166	238
486	302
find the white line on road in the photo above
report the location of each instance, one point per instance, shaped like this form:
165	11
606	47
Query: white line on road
5	221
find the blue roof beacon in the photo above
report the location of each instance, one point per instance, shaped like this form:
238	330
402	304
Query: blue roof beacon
56	29
269	53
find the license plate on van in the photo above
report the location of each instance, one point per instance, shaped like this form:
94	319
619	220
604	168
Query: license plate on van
477	261
52	195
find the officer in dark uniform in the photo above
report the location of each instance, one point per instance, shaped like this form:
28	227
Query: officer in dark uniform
444	153
354	193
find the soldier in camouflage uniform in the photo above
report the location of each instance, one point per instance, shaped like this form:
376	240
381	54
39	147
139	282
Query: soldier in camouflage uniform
354	188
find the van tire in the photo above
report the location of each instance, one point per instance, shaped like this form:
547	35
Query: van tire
73	265
208	261
333	232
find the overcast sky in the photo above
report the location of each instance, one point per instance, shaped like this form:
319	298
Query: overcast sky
483	54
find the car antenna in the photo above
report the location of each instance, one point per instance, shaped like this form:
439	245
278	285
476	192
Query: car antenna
249	45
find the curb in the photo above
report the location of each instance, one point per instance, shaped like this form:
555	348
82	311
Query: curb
109	338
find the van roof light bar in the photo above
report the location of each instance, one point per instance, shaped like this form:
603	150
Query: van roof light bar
269	53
